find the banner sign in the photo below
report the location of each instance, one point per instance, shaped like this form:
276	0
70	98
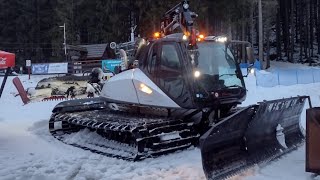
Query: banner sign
40	68
50	68
55	68
110	64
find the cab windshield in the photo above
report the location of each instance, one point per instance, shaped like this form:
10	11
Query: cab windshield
217	66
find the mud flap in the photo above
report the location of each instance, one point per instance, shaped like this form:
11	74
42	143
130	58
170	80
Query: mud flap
253	135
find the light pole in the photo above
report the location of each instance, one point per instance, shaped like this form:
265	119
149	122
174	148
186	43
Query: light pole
65	40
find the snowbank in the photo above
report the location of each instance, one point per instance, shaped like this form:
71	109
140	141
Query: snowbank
27	150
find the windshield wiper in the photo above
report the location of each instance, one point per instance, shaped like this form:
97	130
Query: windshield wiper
233	86
227	75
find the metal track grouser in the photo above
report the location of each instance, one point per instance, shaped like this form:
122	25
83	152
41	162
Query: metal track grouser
147	135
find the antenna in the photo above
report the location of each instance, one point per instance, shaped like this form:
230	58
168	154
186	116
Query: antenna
132	33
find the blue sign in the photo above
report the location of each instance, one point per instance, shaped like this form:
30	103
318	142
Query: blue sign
50	68
109	65
40	68
256	65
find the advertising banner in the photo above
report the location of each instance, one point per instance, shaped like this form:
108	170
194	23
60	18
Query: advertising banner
110	64
40	68
55	68
50	68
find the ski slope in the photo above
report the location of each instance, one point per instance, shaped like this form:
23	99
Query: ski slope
28	151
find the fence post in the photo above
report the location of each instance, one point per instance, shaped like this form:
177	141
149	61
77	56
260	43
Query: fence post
297	77
278	78
313	76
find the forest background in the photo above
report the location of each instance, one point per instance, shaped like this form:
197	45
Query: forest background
30	28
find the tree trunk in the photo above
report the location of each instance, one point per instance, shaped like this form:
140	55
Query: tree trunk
286	28
260	34
292	32
301	30
318	25
268	48
243	30
311	28
296	15
252	21
308	32
278	27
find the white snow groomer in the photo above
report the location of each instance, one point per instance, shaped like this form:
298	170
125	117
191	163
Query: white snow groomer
183	90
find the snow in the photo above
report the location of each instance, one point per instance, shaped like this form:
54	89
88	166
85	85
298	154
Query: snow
28	151
170	136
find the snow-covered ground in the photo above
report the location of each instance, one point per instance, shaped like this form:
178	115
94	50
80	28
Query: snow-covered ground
27	150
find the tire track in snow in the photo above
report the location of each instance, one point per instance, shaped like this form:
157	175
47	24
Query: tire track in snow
74	171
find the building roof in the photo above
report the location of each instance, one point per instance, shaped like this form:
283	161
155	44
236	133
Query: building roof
77	48
95	50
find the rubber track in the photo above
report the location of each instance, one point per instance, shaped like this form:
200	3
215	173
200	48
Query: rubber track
60	138
142	130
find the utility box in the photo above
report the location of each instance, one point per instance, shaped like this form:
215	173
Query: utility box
7	60
313	140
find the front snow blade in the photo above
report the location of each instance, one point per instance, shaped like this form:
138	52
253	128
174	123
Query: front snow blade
253	135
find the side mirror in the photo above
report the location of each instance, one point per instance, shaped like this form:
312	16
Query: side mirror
135	63
117	69
250	54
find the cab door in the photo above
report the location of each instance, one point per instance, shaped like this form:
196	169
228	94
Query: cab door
165	63
171	74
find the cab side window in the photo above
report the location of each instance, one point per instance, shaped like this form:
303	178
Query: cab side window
170	73
164	66
170	64
151	65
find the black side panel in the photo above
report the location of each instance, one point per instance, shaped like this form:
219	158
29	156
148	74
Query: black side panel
80	105
255	134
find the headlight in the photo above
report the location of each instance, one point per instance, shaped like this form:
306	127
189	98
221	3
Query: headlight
184	37
145	89
222	39
197	74
252	71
